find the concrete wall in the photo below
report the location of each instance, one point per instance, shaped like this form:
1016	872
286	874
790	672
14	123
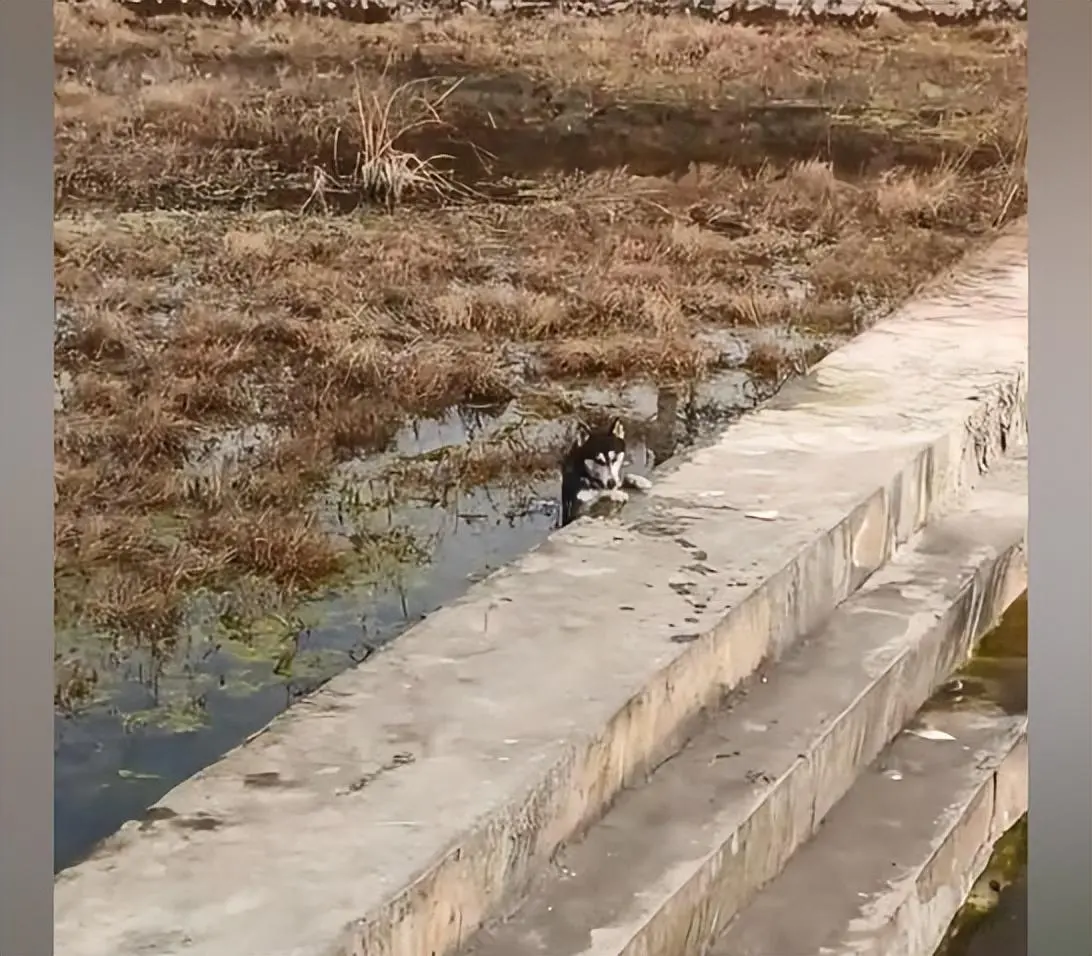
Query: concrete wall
399	806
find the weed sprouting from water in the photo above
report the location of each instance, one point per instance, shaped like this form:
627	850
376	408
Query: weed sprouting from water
384	174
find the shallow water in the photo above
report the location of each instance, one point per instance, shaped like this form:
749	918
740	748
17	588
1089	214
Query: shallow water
1007	932
1004	932
997	676
161	721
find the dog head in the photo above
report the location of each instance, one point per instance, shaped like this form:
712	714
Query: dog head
603	455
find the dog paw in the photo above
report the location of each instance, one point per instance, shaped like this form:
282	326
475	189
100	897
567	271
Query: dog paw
638	482
618	495
587	495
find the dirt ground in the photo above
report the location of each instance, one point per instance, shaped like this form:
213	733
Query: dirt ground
317	231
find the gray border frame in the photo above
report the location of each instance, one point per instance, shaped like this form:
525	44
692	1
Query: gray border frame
26	496
1060	589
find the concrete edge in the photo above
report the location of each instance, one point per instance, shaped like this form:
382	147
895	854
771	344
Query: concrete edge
698	913
702	910
927	905
494	864
445	903
900	898
675	911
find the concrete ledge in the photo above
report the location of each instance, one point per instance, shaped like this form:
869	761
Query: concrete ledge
391	812
676	858
899	855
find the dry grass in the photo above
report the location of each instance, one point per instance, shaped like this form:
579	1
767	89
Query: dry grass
236	111
383	174
325	230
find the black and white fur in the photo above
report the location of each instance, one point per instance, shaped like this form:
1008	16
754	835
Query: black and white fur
594	470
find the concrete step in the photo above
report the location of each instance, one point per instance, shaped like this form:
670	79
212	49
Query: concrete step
676	858
897	857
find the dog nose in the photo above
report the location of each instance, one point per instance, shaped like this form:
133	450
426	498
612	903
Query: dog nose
611	484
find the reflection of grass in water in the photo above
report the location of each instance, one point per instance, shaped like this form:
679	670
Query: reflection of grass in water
272	646
274	661
181	715
255	624
509	460
269	651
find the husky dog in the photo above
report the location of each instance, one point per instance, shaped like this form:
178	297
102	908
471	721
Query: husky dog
593	470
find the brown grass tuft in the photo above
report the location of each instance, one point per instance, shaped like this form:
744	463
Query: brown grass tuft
278	242
383	174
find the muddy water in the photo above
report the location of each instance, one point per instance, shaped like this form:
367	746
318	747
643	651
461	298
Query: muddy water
160	721
993	922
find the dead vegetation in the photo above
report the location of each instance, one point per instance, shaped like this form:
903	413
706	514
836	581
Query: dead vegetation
317	231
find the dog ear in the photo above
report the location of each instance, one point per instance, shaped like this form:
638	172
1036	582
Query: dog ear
617	429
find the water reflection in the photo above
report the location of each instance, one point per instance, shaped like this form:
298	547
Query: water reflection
450	500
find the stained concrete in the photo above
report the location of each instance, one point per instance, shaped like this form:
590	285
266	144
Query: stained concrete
897	858
400	804
676	857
